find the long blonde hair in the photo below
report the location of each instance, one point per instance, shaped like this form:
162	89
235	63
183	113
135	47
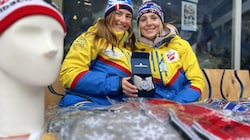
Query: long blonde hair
105	31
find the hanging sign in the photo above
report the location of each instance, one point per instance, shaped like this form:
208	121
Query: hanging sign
189	16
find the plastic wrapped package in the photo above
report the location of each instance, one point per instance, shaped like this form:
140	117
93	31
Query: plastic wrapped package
146	119
207	123
238	110
121	121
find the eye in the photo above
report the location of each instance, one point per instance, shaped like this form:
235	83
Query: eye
154	17
142	19
129	16
119	13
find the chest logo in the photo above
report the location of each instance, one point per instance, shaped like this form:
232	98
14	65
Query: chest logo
172	56
113	53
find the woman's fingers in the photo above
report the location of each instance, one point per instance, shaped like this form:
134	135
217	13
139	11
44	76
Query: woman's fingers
128	88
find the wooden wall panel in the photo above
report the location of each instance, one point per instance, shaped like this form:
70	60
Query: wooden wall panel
226	85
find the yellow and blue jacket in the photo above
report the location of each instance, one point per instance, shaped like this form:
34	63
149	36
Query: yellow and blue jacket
93	73
175	69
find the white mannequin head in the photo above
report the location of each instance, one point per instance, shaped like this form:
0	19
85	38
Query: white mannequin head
31	50
31	39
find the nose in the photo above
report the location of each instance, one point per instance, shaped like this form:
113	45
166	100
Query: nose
148	22
123	18
51	47
52	51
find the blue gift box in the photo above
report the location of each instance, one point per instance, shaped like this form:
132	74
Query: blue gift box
140	64
141	68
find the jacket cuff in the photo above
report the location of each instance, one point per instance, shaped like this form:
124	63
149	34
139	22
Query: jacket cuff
120	86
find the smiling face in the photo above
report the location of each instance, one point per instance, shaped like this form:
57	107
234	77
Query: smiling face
149	25
122	20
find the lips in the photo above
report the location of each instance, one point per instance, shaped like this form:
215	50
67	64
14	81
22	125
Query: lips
121	27
151	30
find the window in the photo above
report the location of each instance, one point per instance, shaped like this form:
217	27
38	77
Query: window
211	39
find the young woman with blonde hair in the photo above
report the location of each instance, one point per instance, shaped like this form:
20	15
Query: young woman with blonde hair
174	66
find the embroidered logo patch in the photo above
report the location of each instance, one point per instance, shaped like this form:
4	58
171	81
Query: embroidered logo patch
172	56
113	53
79	43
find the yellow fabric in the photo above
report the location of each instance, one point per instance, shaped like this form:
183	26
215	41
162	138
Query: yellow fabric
82	53
186	60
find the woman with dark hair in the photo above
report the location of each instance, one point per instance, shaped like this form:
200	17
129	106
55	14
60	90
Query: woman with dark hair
97	67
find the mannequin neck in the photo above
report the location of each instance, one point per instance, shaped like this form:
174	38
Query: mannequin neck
22	107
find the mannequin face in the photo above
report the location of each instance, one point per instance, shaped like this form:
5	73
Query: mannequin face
31	50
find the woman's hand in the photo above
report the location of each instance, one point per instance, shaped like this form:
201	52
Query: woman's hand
129	89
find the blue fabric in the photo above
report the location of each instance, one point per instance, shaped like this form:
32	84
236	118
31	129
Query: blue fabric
178	91
72	99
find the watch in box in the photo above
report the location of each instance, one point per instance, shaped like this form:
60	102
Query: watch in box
141	74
